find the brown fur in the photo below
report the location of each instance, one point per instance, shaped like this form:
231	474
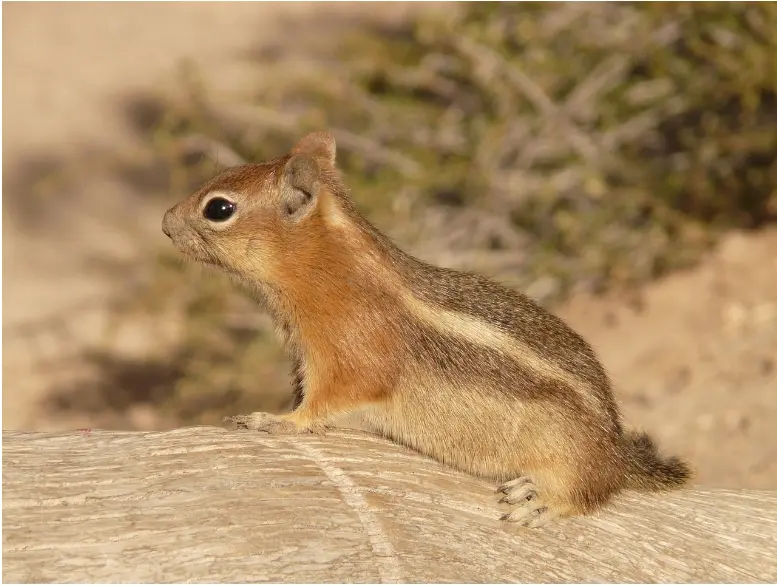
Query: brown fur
448	363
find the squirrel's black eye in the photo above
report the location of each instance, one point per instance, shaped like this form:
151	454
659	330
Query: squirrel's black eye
219	209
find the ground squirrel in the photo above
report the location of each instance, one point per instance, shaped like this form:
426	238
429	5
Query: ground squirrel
451	364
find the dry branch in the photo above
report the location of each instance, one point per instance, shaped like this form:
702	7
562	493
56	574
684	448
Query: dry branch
206	504
370	149
216	150
534	93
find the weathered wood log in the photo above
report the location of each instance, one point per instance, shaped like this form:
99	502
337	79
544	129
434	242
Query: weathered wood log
210	505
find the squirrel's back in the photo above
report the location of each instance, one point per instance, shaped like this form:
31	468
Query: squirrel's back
481	351
515	389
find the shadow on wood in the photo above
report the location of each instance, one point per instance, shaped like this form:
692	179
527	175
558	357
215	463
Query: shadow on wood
205	504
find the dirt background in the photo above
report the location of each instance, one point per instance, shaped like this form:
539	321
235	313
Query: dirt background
694	356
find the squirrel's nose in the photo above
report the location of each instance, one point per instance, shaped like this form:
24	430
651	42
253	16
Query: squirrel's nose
166	224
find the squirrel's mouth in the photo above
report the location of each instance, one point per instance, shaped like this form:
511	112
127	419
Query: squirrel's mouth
187	240
193	247
202	254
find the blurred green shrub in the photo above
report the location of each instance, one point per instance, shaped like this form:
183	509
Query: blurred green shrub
557	146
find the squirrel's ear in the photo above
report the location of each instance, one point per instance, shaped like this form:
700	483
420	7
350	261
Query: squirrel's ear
320	145
300	184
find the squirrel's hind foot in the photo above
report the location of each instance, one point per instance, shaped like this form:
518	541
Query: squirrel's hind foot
530	510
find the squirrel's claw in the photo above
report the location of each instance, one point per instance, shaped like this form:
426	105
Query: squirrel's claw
265	422
530	511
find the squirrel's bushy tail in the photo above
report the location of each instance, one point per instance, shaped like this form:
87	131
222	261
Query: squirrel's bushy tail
648	470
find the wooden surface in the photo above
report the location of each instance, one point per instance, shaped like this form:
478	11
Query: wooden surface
206	504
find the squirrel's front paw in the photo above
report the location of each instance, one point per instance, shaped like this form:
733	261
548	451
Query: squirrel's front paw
273	424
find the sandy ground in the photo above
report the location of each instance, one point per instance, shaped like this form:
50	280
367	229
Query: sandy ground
695	364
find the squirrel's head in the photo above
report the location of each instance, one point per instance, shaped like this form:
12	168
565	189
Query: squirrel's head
261	220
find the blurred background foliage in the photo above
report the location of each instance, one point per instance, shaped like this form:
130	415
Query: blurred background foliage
559	147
